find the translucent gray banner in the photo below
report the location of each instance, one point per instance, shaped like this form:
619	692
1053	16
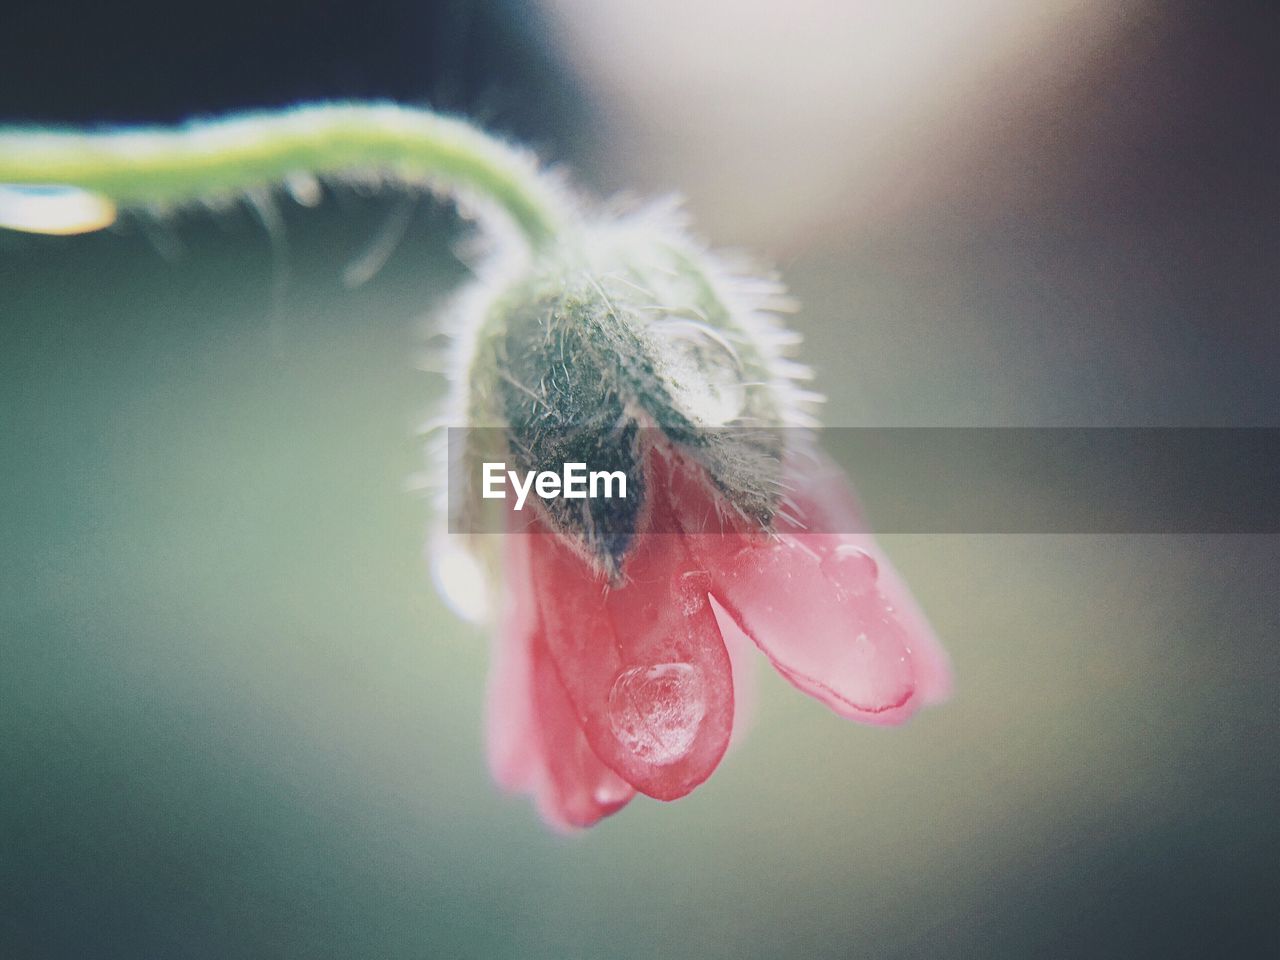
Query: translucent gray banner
1139	480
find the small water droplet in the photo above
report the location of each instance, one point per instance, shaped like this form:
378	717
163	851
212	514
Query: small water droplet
611	793
655	711
304	188
53	209
459	578
851	569
704	374
691	591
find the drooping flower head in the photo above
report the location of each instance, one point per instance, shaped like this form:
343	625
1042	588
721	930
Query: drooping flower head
615	341
617	653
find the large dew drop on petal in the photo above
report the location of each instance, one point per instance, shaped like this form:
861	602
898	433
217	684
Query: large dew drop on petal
655	712
642	660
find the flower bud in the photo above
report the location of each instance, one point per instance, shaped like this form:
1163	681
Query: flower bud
617	660
629	333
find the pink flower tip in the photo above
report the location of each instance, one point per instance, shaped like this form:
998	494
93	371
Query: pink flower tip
604	688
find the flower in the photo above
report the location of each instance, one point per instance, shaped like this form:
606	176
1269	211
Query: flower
620	663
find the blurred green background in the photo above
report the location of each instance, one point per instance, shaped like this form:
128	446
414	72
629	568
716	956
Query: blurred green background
235	721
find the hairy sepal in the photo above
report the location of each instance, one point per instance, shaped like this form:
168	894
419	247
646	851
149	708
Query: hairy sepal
626	328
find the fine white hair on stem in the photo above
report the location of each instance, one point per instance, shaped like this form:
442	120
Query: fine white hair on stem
607	318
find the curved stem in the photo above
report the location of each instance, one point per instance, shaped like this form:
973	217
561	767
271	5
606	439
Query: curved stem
205	160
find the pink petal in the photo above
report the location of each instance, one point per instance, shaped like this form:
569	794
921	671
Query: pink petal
827	609
535	743
513	736
827	502
743	660
577	789
643	662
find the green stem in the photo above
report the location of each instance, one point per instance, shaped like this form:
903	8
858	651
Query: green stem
207	160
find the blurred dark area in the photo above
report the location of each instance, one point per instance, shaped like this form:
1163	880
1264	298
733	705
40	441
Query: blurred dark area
236	722
153	62
1106	252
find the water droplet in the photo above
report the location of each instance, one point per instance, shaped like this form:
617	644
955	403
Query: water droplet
851	569
53	209
613	792
655	711
703	372
459	578
691	591
304	188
